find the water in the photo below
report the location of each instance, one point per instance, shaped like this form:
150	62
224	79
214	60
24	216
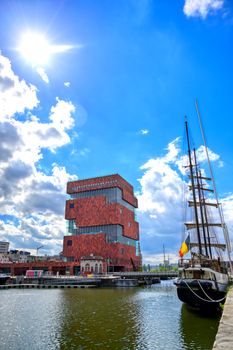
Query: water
91	319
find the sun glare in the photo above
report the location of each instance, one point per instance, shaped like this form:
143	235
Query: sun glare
35	48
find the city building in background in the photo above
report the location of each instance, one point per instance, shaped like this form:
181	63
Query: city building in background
102	233
101	223
4	247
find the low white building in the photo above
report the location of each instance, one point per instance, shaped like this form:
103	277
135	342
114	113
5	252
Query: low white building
91	264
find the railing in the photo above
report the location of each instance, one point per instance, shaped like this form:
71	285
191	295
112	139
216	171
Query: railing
215	264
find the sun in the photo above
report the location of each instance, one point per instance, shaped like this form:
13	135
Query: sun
35	48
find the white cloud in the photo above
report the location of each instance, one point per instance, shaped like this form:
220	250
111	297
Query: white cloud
161	203
201	154
15	95
31	201
61	115
35	136
144	132
227	204
220	164
202	8
156	259
42	74
67	84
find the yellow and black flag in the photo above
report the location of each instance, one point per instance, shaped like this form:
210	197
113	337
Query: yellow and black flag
184	247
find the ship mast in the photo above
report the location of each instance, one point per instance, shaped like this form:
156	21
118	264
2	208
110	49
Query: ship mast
206	217
193	189
201	199
224	227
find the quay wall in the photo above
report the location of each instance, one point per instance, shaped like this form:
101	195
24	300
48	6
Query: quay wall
224	337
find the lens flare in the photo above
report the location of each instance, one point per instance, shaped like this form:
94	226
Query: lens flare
35	48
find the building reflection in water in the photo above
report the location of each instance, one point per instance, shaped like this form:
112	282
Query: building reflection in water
99	319
121	319
116	319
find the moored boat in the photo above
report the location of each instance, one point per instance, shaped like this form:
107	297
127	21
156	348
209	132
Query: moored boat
203	278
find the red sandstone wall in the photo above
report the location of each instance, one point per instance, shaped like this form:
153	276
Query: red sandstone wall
84	245
104	182
95	211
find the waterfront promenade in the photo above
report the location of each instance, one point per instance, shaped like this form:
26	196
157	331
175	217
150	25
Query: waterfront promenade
224	337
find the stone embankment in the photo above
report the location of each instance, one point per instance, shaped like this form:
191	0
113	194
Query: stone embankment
224	337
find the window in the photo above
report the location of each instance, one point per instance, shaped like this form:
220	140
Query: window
87	267
96	268
71	227
71	205
69	243
70	259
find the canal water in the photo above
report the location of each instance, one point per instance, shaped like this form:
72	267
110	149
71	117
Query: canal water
91	319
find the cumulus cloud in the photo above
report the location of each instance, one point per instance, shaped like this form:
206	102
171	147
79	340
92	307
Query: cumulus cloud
161	202
36	203
67	84
15	95
31	201
202	8
61	114
9	141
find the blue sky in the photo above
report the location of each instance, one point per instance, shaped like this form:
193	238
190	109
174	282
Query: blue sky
111	98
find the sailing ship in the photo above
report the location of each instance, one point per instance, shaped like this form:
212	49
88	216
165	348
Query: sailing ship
203	278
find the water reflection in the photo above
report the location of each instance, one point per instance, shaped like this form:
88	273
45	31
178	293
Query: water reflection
158	318
30	319
117	319
197	331
99	319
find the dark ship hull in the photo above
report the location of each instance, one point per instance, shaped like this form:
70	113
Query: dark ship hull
201	294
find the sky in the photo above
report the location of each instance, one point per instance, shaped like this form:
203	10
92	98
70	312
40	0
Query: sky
91	88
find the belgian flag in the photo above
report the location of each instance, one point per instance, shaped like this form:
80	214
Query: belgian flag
184	247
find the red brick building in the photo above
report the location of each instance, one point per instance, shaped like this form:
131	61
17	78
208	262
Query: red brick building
100	216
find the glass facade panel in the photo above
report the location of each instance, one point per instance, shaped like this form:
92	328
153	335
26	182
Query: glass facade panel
71	227
113	195
114	233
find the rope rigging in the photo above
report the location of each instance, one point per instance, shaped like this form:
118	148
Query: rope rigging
209	300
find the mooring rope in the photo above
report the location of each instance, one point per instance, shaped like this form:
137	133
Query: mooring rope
198	296
218	301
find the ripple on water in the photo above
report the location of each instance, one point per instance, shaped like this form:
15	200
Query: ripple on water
117	319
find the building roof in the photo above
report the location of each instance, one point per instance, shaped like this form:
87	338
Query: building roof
91	257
